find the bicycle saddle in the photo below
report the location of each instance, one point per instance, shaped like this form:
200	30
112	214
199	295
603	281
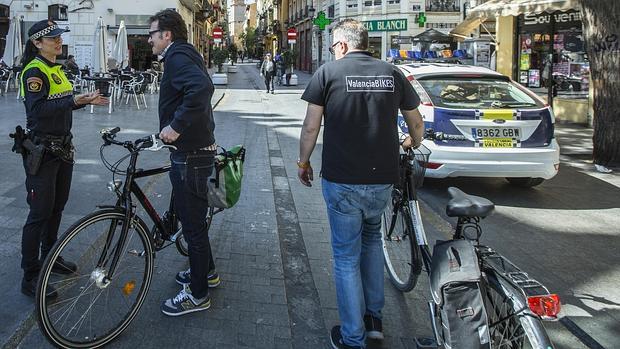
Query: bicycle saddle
464	205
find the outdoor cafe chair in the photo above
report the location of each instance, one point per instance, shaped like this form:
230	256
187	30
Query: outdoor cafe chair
136	87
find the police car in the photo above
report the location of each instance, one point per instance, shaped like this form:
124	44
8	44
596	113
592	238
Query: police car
506	130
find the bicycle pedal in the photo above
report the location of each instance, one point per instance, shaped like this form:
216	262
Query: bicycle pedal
425	343
176	235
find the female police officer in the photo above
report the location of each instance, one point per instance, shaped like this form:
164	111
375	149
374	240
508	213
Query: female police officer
50	102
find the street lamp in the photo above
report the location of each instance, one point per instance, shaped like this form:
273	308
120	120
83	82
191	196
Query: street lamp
311	12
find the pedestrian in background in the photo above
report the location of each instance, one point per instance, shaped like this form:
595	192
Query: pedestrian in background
359	97
71	66
267	70
49	100
186	121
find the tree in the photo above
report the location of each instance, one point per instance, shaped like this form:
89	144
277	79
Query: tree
289	57
601	23
219	57
232	53
249	41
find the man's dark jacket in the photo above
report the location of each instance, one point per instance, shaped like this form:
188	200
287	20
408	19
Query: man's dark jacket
185	97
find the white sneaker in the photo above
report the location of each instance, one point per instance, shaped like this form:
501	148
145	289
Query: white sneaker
602	169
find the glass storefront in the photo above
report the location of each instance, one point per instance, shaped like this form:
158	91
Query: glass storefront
374	46
551	53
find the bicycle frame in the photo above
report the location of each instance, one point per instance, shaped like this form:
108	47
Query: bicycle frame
125	202
409	198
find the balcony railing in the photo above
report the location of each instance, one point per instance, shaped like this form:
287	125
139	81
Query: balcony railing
443	6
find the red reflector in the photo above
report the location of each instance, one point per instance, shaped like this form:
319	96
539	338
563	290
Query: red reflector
432	165
428	104
410	77
547	306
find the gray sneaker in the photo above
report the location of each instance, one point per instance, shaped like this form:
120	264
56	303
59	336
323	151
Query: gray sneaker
184	278
184	303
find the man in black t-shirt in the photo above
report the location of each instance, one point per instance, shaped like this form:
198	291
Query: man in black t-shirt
359	97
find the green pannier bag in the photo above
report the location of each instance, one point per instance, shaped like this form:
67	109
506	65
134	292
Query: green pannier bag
225	181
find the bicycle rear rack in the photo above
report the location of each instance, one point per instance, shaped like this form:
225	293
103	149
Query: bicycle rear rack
511	273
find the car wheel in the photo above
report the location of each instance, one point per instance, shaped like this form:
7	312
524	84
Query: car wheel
526	182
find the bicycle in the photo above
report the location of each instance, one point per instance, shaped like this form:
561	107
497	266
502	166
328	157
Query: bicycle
114	250
515	304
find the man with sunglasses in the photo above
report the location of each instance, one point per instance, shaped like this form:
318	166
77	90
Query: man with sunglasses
186	121
359	97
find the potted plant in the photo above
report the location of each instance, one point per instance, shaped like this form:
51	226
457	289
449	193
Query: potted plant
232	53
289	57
219	57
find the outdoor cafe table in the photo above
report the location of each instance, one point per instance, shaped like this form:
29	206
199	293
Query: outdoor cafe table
104	85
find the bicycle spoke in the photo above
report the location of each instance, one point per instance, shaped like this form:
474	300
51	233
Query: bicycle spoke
91	308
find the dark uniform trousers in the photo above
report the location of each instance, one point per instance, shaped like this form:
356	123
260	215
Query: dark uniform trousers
189	175
48	192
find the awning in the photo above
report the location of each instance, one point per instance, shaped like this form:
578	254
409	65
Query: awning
433	35
499	8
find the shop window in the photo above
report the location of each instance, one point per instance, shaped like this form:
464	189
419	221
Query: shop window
4	11
57	12
4	27
553	57
371	3
330	11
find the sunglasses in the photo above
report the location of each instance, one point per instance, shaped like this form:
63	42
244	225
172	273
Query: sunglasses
331	48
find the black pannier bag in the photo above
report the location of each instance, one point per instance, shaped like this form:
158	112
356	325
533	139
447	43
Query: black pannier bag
458	295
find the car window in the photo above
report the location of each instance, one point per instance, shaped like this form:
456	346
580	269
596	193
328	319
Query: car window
466	93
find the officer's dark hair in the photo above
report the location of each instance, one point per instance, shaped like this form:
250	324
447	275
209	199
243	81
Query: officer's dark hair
172	21
352	32
30	52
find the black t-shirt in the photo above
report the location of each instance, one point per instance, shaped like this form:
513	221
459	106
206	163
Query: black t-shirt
361	96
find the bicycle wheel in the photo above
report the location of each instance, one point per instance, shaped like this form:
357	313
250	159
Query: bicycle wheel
89	310
182	244
511	324
401	252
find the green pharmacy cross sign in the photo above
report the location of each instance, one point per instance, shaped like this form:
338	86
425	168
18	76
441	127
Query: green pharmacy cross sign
321	20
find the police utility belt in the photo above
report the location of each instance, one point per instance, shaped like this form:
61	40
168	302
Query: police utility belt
33	148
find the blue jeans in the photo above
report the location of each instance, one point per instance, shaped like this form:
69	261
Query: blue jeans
354	213
189	174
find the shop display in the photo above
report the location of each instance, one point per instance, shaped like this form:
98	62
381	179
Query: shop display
524	62
533	78
550	53
523	77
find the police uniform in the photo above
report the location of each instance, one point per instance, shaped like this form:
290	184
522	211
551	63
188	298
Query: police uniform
48	98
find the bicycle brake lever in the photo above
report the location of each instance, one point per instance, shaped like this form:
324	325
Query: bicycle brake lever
157	146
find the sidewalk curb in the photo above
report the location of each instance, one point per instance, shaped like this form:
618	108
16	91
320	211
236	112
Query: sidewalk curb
219	100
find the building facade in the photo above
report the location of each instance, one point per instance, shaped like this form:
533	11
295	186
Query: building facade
391	24
236	21
81	18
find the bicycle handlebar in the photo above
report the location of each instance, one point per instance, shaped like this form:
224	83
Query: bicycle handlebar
145	143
